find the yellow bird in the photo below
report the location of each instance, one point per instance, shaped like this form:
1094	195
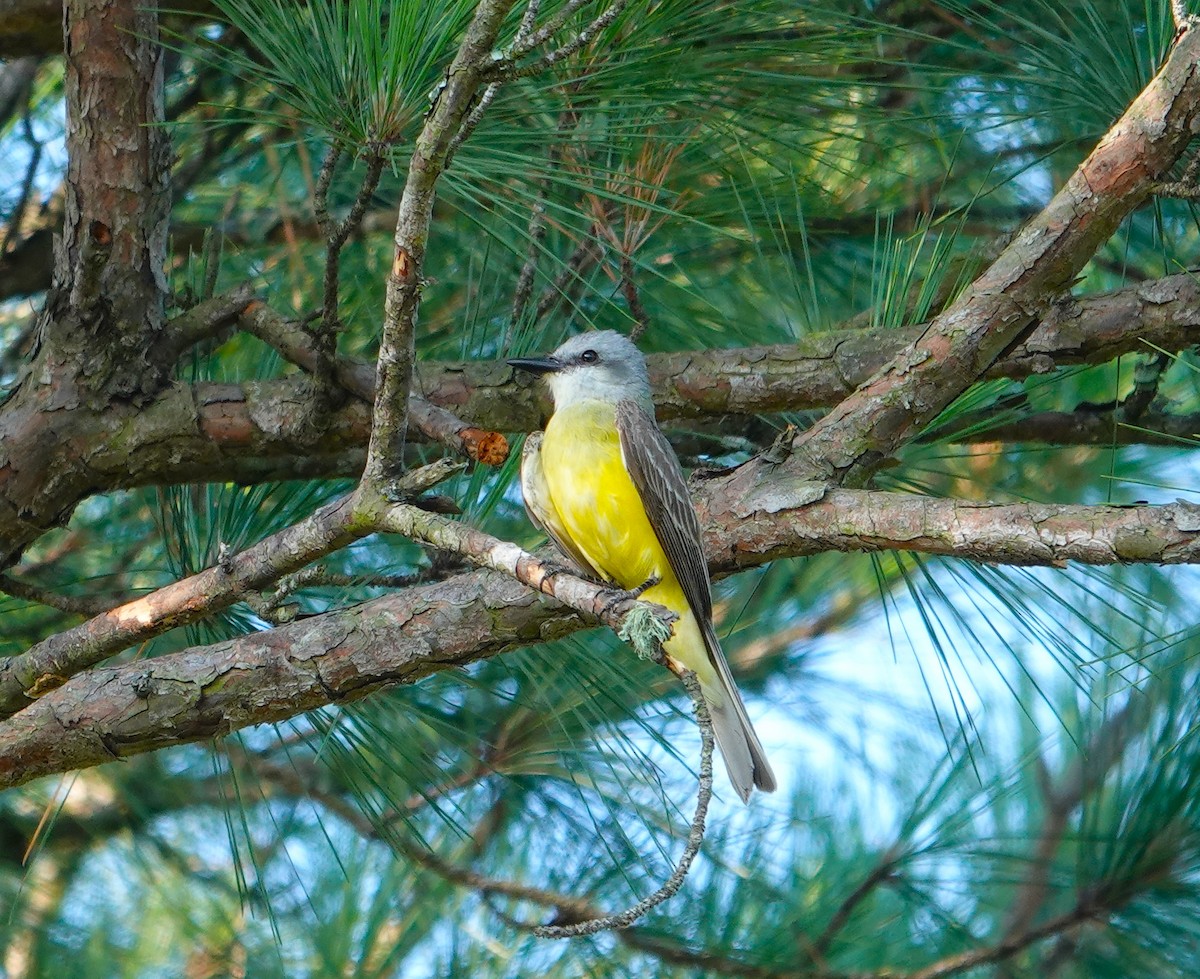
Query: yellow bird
606	486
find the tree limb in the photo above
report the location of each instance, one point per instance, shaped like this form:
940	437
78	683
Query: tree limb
960	344
253	431
204	692
397	346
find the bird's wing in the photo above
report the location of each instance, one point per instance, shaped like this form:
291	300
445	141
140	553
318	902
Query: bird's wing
656	475
658	479
540	506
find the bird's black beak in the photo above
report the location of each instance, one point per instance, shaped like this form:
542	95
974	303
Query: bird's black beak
535	365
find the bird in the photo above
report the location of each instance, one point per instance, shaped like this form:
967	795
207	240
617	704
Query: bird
604	484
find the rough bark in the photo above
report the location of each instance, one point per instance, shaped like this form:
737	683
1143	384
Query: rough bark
25	677
779	521
256	430
35	26
105	311
995	313
115	712
106	308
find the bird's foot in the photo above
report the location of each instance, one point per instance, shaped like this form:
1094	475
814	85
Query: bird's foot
645	586
634	593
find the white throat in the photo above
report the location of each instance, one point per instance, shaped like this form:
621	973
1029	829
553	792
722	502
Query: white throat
576	384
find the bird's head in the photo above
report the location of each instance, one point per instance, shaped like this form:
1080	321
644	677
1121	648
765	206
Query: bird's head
599	366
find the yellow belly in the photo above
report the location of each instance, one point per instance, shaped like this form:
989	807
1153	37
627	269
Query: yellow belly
600	509
598	504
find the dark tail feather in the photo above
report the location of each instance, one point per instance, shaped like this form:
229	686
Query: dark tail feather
744	758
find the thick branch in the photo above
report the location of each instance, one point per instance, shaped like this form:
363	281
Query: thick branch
114	712
209	691
255	431
959	346
777	521
825	368
49	663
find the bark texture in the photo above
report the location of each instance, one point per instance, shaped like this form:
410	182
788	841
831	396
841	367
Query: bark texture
115	712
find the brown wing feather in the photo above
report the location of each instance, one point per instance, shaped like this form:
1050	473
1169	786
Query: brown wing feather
655	471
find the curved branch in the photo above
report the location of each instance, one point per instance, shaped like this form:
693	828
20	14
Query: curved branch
669	887
960	344
204	692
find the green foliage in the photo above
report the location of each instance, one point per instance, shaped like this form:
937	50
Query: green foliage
769	170
363	71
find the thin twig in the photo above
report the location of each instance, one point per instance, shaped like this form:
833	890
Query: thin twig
508	69
633	300
30	592
953	965
524	289
1179	13
472	120
571	277
522	46
623	919
336	235
567	120
882	871
1186	187
366	190
321	189
213	241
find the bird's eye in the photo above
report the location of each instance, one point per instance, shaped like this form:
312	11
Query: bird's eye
589	357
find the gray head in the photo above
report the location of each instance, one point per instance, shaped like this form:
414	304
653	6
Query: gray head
600	366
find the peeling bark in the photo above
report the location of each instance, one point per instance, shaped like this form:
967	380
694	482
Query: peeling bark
205	692
106	308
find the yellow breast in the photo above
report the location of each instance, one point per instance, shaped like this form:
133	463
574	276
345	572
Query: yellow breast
598	505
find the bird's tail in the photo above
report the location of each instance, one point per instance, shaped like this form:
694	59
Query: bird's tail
744	758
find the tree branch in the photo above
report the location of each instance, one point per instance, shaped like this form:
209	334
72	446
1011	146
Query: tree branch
623	919
209	691
510	69
781	519
48	664
433	421
253	431
959	345
430	155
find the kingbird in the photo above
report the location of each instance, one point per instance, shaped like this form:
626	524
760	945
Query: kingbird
604	483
